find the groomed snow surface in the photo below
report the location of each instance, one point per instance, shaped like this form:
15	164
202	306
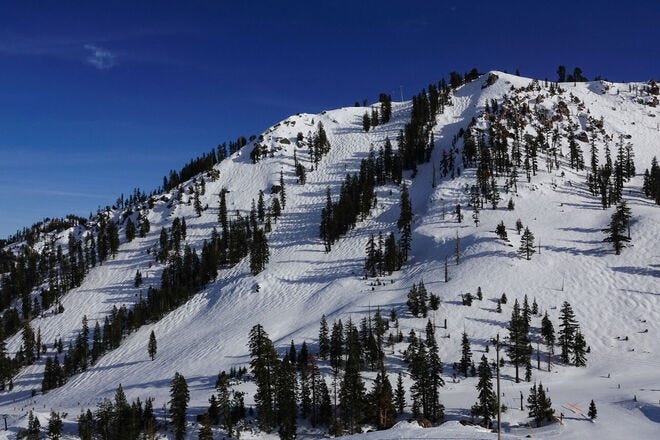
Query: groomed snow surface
614	297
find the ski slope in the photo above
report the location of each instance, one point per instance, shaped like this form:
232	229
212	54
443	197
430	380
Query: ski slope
613	296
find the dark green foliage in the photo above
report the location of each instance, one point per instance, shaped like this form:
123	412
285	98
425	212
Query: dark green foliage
179	398
138	279
459	215
33	427
548	334
264	366
561	71
85	425
417	300
593	412
385	108
153	347
579	350
500	230
285	390
526	248
651	182
259	251
486	406
366	121
539	405
130	230
616	233
400	395
466	355
352	399
519	347
382	409
205	432
567	329
404	223
324	339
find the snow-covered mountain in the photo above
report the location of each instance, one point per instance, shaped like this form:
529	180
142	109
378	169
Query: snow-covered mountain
616	298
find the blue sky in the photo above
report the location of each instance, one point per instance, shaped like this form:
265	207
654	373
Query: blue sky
100	97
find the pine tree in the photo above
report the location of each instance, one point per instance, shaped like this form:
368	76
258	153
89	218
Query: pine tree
54	426
282	190
593	413
436	410
519	348
500	230
29	344
259	251
466	355
381	397
179	398
548	334
264	366
152	348
352	391
579	350
324	339
619	224
205	432
404	223
526	248
366	121
567	330
130	230
33	428
486	406
400	395
539	405
286	410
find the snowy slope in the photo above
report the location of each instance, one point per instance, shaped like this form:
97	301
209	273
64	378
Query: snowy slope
613	296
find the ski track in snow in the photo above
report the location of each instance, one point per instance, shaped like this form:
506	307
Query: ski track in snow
611	295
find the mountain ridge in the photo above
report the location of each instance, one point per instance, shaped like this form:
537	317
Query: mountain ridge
304	281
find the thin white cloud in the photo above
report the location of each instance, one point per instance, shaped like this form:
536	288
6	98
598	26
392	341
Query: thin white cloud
100	58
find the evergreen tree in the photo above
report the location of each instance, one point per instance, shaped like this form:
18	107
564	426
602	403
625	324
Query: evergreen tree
619	224
29	344
286	387
466	355
324	339
593	413
567	330
526	248
519	348
486	406
539	405
152	348
404	222
366	121
579	350
400	395
54	426
352	391
33	428
435	408
130	230
205	432
383	410
500	230
179	398
282	190
264	368
548	334
259	251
